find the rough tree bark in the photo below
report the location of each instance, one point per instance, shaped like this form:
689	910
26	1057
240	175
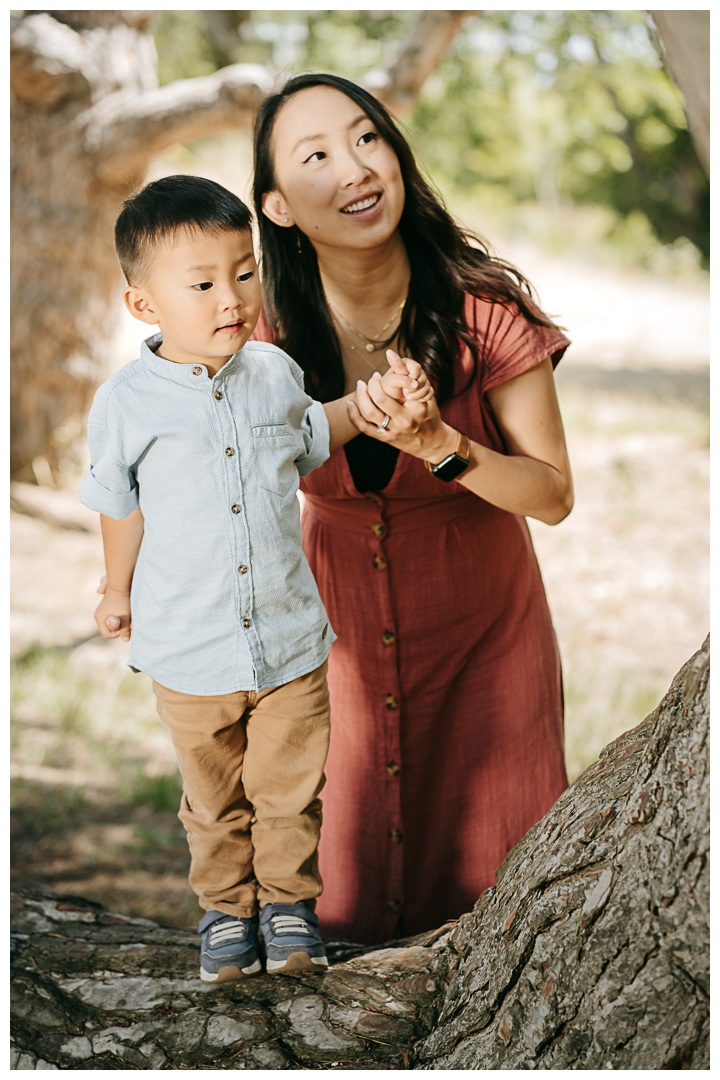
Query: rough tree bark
87	116
590	952
685	37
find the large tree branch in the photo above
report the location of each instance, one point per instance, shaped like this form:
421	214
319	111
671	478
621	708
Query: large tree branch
47	61
123	131
399	85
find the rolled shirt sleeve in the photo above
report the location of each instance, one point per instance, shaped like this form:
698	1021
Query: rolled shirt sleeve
316	436
109	486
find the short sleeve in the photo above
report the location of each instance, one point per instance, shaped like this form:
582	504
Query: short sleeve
316	436
509	343
110	485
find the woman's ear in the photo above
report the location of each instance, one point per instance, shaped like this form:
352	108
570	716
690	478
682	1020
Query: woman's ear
273	207
139	304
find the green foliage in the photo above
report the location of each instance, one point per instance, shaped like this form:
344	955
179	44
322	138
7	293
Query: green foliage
160	793
547	107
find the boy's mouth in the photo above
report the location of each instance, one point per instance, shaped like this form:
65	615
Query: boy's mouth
230	328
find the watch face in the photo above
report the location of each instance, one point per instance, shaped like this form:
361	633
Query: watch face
450	468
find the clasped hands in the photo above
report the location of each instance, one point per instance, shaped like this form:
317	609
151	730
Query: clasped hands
414	425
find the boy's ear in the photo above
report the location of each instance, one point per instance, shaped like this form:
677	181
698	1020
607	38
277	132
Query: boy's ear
139	304
274	207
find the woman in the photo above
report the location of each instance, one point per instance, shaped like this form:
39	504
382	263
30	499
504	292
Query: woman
445	680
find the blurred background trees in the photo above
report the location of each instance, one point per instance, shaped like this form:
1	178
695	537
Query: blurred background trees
529	114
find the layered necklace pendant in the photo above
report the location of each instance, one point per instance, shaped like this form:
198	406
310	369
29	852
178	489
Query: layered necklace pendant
371	346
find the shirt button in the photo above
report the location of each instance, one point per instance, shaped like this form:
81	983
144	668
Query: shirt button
229	451
218	395
392	768
387	638
395	906
391	702
246	623
197	371
396	837
242	569
378	529
236	509
379	563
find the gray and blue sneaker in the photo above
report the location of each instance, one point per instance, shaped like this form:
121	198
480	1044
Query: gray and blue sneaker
229	947
291	939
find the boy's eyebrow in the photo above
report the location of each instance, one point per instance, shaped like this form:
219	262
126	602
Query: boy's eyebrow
212	266
311	138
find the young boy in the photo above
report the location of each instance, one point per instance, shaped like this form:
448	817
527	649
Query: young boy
197	448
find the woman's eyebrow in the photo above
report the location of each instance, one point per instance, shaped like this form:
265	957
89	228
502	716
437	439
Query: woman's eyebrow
362	118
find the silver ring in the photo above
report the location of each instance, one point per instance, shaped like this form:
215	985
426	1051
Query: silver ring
386	421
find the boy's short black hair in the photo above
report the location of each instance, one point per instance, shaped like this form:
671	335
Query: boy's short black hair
166	205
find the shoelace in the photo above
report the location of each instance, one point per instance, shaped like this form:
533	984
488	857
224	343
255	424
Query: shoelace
234	929
289	924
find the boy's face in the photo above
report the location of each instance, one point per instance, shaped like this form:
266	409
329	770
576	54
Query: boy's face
204	292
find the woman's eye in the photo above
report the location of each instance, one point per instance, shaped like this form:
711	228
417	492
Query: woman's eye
318	155
368	137
246	277
203	286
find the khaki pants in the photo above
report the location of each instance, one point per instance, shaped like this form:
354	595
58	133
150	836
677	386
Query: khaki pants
252	767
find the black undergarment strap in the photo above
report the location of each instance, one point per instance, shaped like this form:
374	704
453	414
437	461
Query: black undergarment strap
371	462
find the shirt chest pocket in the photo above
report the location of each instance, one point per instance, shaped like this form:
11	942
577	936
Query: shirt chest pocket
275	447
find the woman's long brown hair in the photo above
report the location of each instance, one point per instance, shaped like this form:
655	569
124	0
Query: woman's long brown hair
446	262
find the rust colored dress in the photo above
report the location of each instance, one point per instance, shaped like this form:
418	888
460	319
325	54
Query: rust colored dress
445	684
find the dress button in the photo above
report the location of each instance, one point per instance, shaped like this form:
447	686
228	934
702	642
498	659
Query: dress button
391	702
387	638
197	371
395	906
229	451
218	395
242	569
396	837
379	563
392	768
378	529
246	623
235	509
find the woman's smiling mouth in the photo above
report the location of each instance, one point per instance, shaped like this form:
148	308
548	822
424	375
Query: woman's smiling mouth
362	204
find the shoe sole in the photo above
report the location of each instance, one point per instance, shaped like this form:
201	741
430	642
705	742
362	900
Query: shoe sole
230	973
297	961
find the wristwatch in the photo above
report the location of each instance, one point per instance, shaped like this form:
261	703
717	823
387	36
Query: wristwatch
454	464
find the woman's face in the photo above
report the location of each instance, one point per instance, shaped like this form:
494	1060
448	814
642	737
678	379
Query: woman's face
338	180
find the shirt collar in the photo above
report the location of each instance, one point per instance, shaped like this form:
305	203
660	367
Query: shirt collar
183	373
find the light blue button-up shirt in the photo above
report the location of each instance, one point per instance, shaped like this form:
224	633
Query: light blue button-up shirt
222	596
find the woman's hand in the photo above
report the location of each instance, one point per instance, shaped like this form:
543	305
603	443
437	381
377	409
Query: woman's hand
414	425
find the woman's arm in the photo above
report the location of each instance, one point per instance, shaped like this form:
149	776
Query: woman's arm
532	479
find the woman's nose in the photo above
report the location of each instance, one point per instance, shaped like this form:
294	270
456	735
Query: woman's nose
352	168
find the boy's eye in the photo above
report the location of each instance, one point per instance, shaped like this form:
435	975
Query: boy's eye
203	286
246	277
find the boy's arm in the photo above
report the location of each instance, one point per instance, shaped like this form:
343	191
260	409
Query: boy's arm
121	542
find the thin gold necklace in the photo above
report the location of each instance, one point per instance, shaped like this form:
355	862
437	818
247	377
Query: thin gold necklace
370	344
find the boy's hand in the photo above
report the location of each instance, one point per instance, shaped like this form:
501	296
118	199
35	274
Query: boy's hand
406	380
112	614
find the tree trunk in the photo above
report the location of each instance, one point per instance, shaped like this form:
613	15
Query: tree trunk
590	952
685	38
